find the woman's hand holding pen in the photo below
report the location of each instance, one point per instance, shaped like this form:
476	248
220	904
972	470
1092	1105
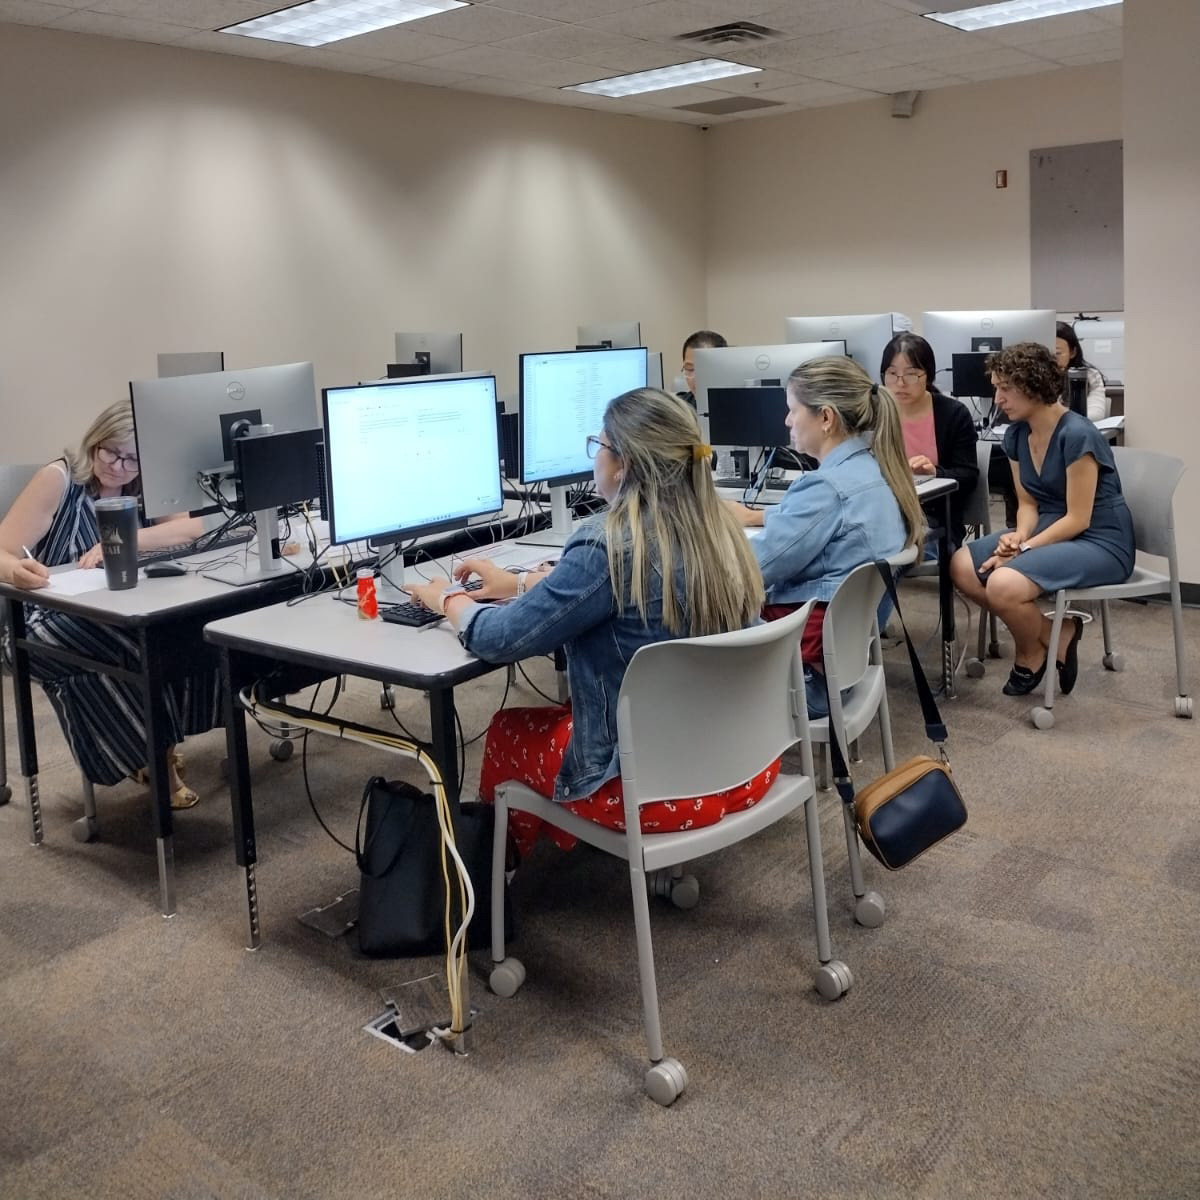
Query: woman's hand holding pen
28	573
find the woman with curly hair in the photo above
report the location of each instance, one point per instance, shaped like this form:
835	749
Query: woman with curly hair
1073	528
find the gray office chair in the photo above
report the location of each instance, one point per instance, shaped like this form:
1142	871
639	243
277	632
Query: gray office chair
13	478
745	690
1149	480
854	675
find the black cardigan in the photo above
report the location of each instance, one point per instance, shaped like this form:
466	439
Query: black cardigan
954	432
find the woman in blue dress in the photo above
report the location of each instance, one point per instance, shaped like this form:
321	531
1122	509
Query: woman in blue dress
1073	527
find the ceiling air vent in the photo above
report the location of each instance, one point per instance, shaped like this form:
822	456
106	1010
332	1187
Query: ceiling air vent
736	33
731	104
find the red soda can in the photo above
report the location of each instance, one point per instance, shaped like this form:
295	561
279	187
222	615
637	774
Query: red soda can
368	604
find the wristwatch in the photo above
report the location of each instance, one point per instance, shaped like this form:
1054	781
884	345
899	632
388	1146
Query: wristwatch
1023	547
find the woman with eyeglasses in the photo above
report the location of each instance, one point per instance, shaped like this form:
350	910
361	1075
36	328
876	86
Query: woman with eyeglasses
939	435
53	523
666	561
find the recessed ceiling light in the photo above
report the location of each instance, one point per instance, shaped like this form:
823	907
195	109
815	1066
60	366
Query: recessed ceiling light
700	71
987	16
318	22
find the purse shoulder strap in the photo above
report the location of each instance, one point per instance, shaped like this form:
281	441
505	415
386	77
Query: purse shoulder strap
935	729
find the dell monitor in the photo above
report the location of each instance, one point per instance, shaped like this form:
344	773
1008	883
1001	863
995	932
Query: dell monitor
865	334
185	427
614	335
437	353
190	362
563	397
981	331
753	366
748	416
410	457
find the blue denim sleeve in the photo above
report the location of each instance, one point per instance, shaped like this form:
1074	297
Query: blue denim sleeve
575	597
803	523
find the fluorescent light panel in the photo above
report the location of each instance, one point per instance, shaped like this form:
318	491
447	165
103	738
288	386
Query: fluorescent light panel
988	16
319	22
700	71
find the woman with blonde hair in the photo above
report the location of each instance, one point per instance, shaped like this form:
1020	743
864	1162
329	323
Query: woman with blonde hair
859	506
55	518
667	560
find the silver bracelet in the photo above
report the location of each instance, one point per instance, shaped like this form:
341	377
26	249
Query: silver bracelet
522	582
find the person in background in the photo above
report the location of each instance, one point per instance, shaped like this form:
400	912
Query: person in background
666	561
1068	353
859	506
939	435
702	339
1073	527
55	518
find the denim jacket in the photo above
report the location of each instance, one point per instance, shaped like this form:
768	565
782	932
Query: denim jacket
830	521
573	607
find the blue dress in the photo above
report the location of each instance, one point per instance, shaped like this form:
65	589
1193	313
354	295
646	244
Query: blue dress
1104	552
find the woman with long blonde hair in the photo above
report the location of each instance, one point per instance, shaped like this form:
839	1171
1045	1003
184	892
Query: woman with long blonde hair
668	560
859	506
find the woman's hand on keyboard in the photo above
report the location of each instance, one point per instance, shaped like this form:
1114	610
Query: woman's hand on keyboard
498	584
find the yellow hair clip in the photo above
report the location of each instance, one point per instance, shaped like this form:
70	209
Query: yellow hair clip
701	452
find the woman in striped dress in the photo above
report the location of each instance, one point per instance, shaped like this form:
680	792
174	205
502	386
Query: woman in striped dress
55	519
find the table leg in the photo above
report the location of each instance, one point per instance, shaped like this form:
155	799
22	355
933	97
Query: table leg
238	754
154	707
26	730
946	600
444	737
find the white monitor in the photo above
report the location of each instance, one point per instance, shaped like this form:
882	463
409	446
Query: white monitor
974	330
190	362
617	335
1103	345
563	397
865	334
441	352
410	457
185	426
654	369
753	366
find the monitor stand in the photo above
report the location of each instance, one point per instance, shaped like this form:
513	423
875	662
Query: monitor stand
561	525
390	583
270	564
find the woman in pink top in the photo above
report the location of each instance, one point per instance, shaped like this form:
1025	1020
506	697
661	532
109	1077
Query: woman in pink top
939	435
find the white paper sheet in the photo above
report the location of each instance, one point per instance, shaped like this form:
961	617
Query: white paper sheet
77	581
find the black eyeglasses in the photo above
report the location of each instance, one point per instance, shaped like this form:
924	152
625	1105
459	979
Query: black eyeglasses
594	442
113	458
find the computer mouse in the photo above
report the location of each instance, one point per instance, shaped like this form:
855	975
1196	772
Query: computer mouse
160	570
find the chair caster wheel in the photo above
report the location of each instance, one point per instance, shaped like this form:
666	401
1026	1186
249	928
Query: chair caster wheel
1183	708
5	794
665	1081
683	892
86	829
975	668
1042	718
833	980
993	650
869	910
1113	662
282	749
506	977
387	697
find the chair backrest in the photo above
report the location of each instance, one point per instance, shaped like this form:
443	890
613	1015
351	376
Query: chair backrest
699	715
977	502
1149	480
849	629
13	478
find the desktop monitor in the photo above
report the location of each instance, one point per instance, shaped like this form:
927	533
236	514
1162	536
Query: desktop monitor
617	335
410	457
277	470
1103	345
748	416
971	376
654	369
753	366
978	331
865	334
439	353
190	362
185	427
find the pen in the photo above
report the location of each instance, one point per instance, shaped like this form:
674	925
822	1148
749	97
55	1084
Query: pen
27	552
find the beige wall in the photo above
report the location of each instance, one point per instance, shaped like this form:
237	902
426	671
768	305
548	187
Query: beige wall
1162	242
848	209
156	199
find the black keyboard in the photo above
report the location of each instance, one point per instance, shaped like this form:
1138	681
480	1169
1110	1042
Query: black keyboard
235	537
415	614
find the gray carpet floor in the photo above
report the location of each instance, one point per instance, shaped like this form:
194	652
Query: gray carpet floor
1025	1023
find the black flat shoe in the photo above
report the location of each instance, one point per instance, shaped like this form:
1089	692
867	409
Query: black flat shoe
1068	669
1022	681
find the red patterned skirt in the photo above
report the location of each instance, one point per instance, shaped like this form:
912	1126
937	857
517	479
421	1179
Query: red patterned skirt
527	745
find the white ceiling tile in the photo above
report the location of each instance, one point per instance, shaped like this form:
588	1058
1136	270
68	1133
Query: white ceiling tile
667	19
196	14
846	65
129	28
415	73
1002	57
569	10
401	43
901	79
329	59
483	24
985	74
1060	49
695	93
811	91
814	17
584	44
752	85
495	87
241	47
508	64
31	12
1098	56
1026	32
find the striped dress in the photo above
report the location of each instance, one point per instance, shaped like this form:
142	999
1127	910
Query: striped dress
101	717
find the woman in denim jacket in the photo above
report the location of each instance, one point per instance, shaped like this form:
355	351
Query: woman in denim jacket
667	560
859	506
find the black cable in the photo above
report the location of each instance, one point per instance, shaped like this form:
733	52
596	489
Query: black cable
304	762
535	687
